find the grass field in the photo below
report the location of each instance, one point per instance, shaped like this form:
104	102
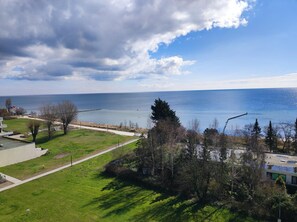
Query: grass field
77	143
19	125
83	193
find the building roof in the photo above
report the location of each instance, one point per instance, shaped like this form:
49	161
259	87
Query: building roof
6	143
280	162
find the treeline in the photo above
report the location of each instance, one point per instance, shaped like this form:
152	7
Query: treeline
64	112
11	110
206	167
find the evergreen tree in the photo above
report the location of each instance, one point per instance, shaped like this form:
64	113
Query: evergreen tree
256	130
271	138
161	111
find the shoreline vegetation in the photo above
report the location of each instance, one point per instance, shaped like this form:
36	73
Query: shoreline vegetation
82	123
199	168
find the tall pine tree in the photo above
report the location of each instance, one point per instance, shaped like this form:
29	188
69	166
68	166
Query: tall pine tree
256	130
271	138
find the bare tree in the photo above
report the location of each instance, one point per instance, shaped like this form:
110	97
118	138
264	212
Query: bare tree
48	113
33	126
8	104
20	111
286	135
194	124
215	124
66	112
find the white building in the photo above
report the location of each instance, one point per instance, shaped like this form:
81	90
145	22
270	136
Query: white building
14	151
275	164
281	165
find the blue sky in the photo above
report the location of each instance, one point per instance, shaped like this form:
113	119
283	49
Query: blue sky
105	46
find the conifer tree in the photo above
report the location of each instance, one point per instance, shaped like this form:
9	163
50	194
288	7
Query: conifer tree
161	111
256	130
271	139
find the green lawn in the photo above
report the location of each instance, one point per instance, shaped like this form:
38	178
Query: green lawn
83	193
19	125
77	143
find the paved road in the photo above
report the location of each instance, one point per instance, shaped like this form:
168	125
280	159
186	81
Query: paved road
19	182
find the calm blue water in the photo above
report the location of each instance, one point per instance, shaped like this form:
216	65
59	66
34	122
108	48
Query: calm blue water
278	105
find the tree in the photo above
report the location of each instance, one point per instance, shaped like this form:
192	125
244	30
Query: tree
256	131
192	142
271	138
215	124
4	112
255	144
295	137
66	112
252	164
205	169
162	111
8	104
211	136
48	113
194	125
286	135
33	126
195	172
20	111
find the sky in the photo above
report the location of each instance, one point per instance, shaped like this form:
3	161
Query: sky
95	46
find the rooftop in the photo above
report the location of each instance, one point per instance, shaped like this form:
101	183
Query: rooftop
6	143
280	162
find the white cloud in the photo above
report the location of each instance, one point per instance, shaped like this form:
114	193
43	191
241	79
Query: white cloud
103	40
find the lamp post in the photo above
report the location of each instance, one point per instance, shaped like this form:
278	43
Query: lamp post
233	117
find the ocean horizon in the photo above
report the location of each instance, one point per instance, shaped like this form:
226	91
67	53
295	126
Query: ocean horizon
276	105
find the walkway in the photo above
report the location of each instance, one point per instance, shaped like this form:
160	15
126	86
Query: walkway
118	132
123	133
19	182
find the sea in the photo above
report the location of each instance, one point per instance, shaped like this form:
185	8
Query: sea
276	105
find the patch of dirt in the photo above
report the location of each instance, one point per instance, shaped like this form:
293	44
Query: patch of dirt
61	155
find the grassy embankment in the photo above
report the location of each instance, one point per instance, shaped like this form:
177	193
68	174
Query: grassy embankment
83	193
77	143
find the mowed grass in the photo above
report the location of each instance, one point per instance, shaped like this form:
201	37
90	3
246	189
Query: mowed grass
17	125
77	143
83	193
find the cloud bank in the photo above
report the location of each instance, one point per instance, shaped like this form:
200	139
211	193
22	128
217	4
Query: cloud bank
103	40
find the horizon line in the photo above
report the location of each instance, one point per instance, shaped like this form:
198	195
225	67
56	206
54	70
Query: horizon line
160	91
